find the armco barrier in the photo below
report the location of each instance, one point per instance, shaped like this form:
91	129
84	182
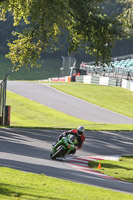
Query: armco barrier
95	80
57	79
99	80
54	79
79	79
124	83
49	79
118	82
128	85
112	82
87	79
66	78
61	79
131	86
103	80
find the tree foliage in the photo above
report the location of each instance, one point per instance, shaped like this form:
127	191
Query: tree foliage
86	21
126	17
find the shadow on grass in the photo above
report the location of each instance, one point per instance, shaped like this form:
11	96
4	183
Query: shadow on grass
126	179
36	127
124	157
114	170
89	127
94	164
17	191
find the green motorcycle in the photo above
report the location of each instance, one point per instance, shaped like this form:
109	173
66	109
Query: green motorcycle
64	146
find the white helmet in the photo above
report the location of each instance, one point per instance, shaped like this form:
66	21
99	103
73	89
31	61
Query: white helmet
71	139
80	130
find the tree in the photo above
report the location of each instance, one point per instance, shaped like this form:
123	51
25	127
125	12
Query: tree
126	18
85	20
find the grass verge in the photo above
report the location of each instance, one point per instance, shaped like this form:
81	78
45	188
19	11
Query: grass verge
113	98
122	169
28	113
16	185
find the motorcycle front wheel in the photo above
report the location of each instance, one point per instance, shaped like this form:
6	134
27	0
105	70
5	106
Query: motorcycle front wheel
59	152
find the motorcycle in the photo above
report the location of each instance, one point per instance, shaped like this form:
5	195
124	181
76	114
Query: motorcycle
64	146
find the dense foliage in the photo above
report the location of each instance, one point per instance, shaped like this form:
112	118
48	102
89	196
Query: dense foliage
87	23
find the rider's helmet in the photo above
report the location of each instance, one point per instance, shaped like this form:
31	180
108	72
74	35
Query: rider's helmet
80	130
71	139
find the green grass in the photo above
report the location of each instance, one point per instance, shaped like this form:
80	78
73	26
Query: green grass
122	169
5	66
114	98
16	185
27	113
50	68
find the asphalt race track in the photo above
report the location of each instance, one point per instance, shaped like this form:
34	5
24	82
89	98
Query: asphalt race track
29	149
46	95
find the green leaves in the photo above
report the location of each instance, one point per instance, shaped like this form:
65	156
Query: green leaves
23	50
87	21
126	18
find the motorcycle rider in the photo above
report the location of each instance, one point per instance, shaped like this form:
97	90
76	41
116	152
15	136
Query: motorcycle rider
79	133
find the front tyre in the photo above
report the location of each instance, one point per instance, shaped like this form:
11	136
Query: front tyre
59	152
51	155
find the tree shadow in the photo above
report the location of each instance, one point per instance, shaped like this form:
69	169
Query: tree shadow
130	180
64	173
10	191
38	142
129	156
107	165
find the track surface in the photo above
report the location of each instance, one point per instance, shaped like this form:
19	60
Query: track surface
28	150
68	104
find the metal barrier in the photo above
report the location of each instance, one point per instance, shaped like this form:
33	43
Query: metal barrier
95	80
79	79
99	80
117	68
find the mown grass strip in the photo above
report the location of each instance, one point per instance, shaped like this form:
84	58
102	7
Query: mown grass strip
17	185
122	169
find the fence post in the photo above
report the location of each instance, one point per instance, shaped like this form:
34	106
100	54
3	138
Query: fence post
3	98
7	115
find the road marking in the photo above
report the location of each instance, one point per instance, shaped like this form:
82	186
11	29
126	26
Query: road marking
81	163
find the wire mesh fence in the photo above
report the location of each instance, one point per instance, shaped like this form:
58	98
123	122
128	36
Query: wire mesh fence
68	64
119	67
